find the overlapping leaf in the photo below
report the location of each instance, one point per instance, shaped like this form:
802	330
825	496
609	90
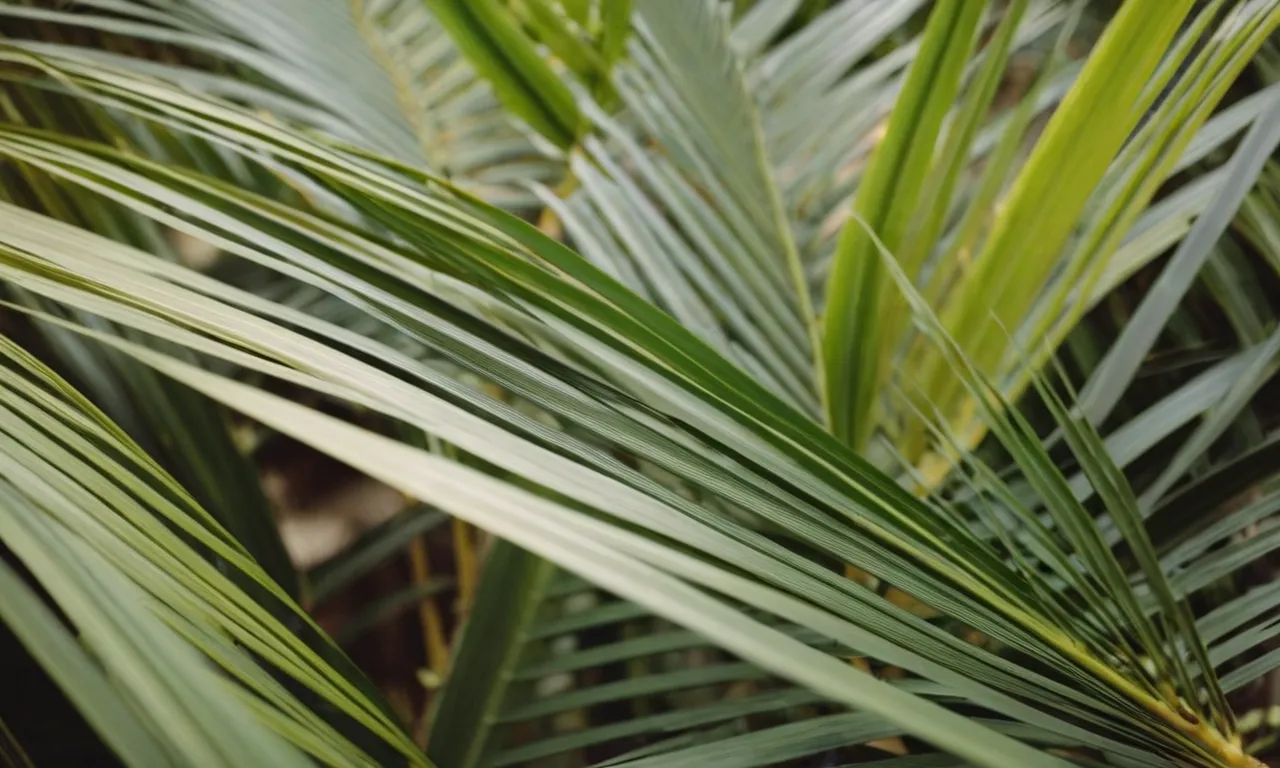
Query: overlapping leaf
721	432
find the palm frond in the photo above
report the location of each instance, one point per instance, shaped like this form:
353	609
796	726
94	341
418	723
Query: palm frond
157	618
697	219
930	555
645	415
462	128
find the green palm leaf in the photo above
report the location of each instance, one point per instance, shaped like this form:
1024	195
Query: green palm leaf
658	430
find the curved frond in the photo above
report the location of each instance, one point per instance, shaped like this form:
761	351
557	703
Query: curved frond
720	433
110	537
697	529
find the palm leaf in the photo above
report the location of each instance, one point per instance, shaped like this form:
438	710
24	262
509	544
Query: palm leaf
887	195
905	528
153	611
724	264
185	431
733	505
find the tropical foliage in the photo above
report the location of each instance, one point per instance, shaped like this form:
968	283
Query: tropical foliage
865	383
